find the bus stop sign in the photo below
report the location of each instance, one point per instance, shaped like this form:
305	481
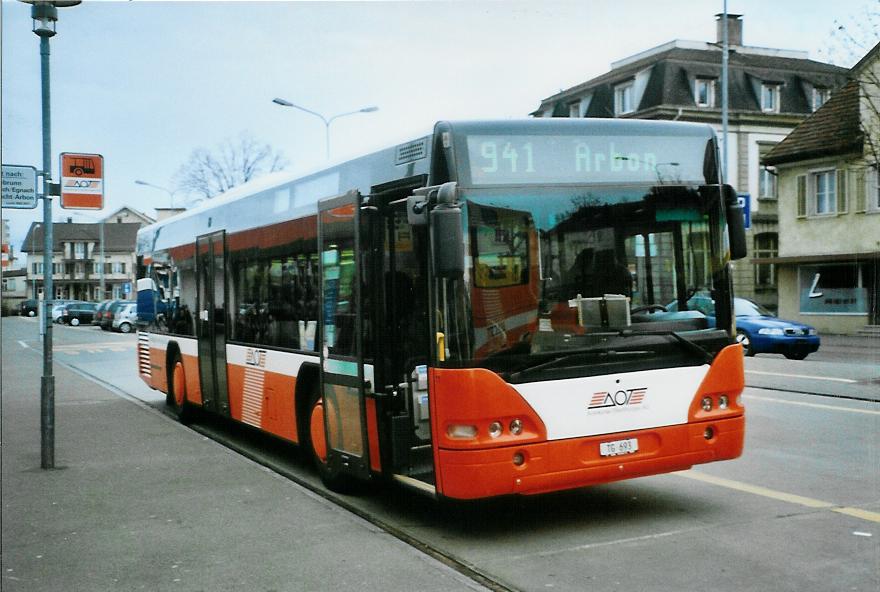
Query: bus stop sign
82	181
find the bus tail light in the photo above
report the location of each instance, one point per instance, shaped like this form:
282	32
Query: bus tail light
462	431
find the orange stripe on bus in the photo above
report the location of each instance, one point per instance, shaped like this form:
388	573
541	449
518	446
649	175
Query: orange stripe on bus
277	411
373	435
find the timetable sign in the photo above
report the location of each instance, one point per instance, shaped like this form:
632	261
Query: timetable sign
19	187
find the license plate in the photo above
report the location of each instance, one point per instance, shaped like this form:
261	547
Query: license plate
619	447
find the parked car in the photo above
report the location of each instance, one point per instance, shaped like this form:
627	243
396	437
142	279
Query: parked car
758	330
125	318
58	308
29	308
110	312
102	308
77	313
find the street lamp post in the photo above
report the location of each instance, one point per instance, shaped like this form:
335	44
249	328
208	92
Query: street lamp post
327	121
154	186
44	14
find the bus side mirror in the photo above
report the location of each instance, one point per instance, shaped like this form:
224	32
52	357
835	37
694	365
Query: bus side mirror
447	236
736	225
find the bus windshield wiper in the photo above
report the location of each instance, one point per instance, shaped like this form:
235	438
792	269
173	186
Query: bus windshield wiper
686	344
564	357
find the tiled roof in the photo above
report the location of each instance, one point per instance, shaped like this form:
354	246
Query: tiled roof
670	83
833	129
117	236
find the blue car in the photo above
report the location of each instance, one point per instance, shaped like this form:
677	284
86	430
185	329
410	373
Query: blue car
758	330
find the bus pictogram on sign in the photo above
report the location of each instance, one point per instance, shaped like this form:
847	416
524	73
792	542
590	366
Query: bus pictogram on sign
82	181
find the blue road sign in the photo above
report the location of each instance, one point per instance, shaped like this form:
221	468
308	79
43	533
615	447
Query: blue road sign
745	200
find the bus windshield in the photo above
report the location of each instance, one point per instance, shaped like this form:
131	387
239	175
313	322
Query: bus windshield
562	280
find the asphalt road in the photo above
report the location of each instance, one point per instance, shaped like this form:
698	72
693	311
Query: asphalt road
799	511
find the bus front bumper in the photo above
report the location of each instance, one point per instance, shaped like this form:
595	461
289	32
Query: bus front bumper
576	462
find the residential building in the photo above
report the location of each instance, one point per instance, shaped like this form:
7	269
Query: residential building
14	290
79	264
7	258
770	92
829	209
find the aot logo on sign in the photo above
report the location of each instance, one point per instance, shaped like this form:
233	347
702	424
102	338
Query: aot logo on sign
82	181
619	398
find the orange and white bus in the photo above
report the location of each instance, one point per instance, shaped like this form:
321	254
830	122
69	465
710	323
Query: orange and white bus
501	307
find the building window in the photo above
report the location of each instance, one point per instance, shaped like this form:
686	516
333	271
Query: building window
766	184
119	267
766	246
824	190
820	95
38	268
57	268
704	92
623	98
835	289
770	98
79	250
873	201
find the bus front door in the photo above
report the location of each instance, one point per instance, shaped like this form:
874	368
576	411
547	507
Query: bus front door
342	354
211	322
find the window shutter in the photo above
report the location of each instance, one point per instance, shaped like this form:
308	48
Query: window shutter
841	191
802	196
860	191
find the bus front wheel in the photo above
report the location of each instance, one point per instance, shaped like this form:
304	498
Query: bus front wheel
176	399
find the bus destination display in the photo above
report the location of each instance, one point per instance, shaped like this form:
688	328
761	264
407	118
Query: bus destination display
513	160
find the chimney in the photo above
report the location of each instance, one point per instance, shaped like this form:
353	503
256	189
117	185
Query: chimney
734	28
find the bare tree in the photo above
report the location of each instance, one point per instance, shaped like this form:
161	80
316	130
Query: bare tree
232	162
852	39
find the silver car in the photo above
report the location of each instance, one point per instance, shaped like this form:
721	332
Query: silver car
125	318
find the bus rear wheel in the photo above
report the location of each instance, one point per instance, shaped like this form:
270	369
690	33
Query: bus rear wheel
332	478
176	399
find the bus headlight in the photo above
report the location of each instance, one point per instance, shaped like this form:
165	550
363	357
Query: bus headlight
495	429
461	432
516	427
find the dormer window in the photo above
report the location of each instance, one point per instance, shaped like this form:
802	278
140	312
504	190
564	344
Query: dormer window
770	98
623	98
820	95
704	92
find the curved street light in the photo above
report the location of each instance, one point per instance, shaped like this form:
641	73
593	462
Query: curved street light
154	186
327	120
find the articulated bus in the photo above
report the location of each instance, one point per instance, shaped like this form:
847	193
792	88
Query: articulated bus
496	308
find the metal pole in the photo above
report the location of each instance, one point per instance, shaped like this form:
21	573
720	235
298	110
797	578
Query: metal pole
103	289
724	106
47	383
327	138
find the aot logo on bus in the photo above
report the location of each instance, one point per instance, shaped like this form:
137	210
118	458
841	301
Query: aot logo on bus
620	398
255	357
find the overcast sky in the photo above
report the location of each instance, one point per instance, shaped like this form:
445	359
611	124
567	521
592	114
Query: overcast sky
144	83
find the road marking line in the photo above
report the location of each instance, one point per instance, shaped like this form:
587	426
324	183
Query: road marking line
859	513
814	405
846	380
23	344
586	546
779	495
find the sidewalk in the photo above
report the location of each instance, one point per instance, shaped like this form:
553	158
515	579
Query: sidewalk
139	502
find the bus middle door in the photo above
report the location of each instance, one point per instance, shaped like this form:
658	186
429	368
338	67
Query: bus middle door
342	360
211	322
